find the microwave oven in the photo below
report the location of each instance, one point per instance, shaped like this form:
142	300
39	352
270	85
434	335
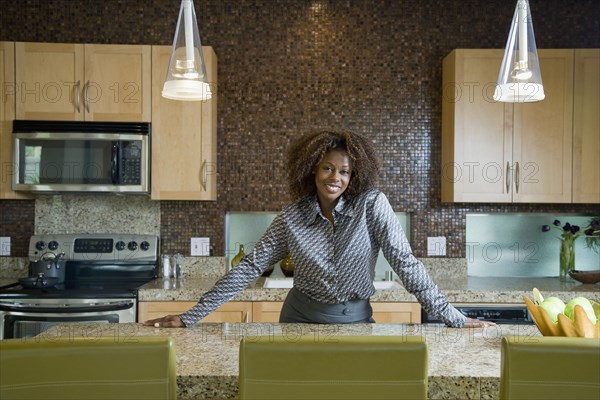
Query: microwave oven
73	156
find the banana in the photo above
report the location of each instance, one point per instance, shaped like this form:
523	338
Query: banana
537	296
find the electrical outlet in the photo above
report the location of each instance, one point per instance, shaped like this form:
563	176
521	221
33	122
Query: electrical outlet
200	246
5	246
436	246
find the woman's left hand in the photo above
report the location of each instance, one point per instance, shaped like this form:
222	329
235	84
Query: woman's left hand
477	323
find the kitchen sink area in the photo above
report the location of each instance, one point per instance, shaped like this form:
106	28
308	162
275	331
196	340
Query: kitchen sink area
287	283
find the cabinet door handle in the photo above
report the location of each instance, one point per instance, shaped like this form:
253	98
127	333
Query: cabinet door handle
78	97
517	178
507	180
85	96
246	316
204	175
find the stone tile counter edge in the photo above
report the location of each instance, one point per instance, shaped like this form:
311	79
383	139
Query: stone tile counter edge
463	363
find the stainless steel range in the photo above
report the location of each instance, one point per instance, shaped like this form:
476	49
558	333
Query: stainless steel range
103	273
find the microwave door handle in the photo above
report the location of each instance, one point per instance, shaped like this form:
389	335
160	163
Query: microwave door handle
114	164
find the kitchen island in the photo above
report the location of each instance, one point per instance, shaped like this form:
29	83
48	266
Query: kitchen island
463	363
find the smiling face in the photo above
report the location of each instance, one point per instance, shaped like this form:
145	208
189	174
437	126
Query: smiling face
332	176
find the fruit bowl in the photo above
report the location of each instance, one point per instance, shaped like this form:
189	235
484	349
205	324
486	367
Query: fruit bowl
580	326
586	276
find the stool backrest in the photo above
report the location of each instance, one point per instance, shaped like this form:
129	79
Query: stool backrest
550	367
88	368
333	367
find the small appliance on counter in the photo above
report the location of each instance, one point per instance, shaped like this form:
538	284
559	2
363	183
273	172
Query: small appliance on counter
78	278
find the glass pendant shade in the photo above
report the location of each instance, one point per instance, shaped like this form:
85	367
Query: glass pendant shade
186	76
520	79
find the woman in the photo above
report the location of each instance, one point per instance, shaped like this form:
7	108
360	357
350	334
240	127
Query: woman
333	230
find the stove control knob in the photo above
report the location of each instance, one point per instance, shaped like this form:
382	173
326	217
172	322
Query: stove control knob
120	245
40	245
53	245
144	245
132	246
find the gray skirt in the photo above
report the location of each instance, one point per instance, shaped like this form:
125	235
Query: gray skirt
300	308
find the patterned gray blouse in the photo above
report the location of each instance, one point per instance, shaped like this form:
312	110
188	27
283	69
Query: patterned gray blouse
334	262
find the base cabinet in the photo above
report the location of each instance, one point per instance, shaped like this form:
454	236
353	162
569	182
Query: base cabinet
397	313
268	311
234	311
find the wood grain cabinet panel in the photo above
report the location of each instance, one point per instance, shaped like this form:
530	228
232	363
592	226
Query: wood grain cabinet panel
184	141
505	152
83	82
268	311
7	115
586	127
397	313
234	311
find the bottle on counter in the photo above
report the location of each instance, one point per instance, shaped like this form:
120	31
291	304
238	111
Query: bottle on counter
287	266
178	272
238	257
166	266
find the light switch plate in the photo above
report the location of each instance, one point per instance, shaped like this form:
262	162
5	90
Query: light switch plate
4	245
436	246
200	246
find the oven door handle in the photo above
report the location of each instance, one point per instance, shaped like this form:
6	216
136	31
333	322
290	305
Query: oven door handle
67	309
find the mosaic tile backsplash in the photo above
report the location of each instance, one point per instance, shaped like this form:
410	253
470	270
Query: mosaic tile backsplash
290	66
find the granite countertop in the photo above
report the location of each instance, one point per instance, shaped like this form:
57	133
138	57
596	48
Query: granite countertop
463	363
460	290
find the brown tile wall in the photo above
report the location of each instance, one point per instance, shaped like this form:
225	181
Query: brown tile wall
290	66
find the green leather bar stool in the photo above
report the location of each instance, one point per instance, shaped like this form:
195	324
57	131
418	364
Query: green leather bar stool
333	367
88	368
550	367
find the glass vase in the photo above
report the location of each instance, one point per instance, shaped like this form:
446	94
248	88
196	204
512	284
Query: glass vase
567	258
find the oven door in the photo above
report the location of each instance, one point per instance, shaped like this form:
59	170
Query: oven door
26	318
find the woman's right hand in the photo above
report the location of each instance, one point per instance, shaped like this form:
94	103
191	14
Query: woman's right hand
169	321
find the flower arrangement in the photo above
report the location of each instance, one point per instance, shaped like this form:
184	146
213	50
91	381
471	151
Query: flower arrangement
592	240
569	234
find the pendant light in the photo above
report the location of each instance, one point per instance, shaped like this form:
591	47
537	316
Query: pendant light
520	79
186	76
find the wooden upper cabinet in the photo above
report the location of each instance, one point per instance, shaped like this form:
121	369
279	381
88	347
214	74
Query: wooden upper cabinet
505	152
7	115
184	136
118	83
49	79
586	127
543	135
77	82
476	142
